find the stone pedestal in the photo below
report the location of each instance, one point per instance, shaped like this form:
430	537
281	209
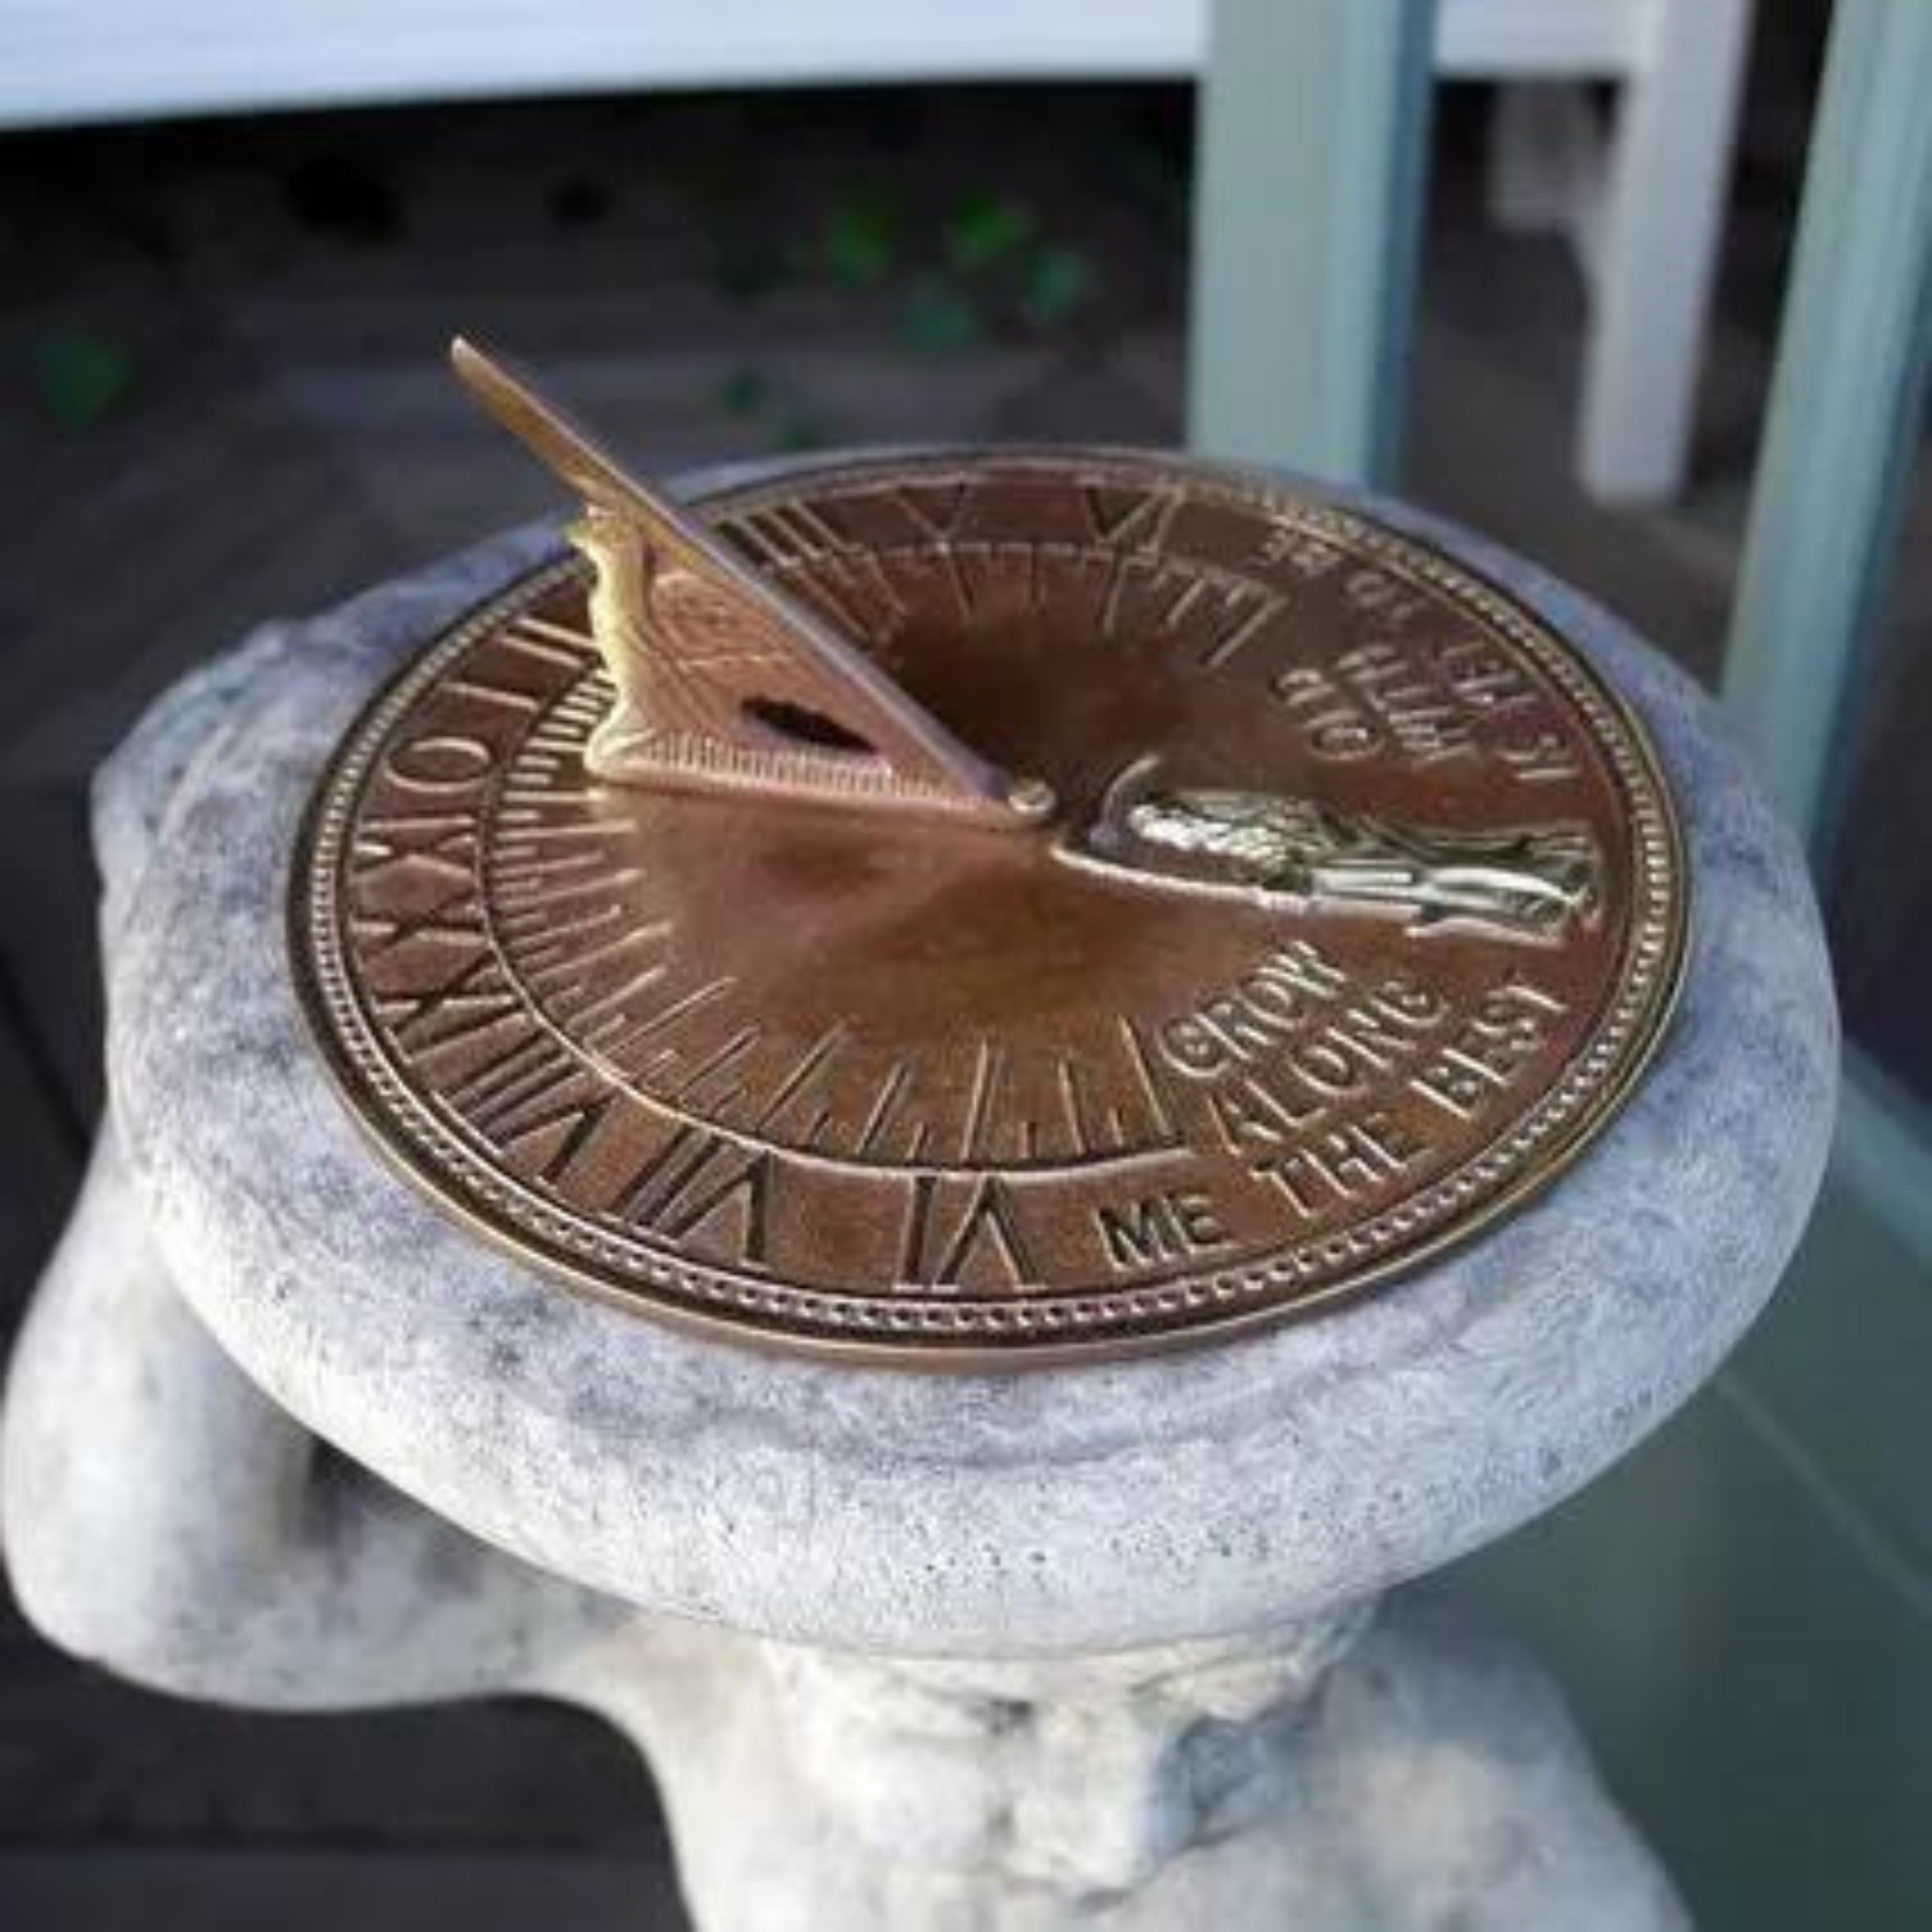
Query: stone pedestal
1106	1646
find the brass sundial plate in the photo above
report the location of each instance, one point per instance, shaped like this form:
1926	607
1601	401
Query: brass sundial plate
1360	909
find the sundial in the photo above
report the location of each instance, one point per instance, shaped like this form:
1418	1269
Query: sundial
985	909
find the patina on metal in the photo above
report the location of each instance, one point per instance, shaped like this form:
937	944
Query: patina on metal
677	919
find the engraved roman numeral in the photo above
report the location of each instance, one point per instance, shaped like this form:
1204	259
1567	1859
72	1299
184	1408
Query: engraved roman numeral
536	1104
559	645
383	935
936	514
936	508
1236	624
1131	518
446	841
476	998
493	1097
1544	759
507	696
561	1131
698	1182
944	1245
440	761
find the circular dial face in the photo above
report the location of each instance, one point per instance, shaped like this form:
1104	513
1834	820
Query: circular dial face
1360	908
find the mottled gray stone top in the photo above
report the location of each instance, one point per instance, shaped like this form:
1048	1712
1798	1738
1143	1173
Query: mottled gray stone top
1194	1494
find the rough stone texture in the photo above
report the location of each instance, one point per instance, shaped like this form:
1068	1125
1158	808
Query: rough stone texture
170	1509
165	1518
1420	1779
1357	1770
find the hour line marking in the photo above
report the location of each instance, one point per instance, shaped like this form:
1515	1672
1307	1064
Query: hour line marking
1077	1107
806	534
560	936
505	695
962	590
817	1057
1156	1096
942	524
895	1086
580	961
874	566
1250	627
495	1090
593	1039
617	999
533	633
1143	523
554	888
552	830
691	1003
1191	592
939	531
751	536
560	948
719	1060
518	884
553	864
1124	561
817	584
816	527
986	1086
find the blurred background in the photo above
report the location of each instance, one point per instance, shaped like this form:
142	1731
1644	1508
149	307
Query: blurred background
235	242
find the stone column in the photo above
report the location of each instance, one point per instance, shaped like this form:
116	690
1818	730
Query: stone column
1116	1647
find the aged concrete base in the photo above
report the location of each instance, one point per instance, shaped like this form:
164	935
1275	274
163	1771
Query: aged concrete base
1075	1647
1420	1778
1378	1768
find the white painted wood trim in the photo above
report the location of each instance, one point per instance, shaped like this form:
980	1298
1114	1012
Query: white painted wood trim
1646	239
79	60
1654	254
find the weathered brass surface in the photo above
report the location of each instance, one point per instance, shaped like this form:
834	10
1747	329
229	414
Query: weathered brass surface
1360	907
724	681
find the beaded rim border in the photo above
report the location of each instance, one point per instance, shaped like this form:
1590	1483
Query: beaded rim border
961	1332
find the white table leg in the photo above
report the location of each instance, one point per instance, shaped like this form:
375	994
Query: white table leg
1654	258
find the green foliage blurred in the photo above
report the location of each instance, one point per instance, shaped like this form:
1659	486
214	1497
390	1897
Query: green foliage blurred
786	426
987	266
938	317
79	379
984	233
859	245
